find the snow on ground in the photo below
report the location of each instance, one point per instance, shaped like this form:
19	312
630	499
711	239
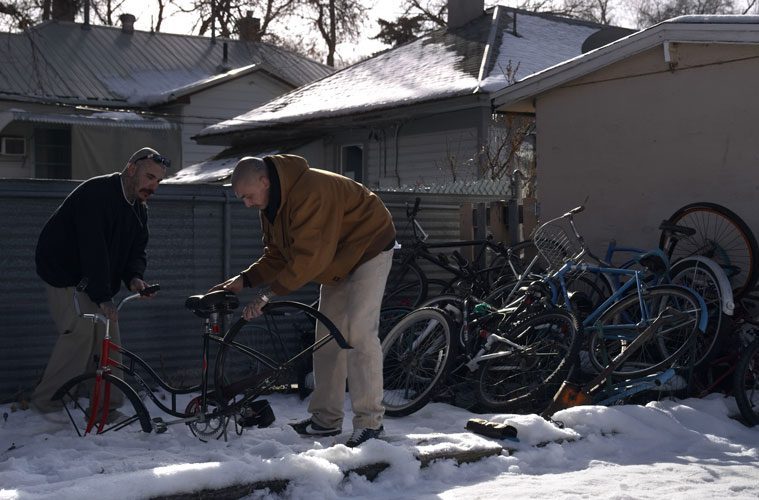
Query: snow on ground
683	449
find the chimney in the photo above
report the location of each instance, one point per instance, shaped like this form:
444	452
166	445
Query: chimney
461	12
64	10
127	23
249	28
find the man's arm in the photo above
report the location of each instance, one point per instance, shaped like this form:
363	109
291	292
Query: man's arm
90	225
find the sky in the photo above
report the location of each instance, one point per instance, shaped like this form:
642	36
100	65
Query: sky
687	449
385	9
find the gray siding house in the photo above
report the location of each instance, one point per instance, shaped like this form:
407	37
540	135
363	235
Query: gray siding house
647	124
77	99
419	114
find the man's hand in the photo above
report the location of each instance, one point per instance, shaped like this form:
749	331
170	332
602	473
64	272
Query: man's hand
233	284
137	285
109	310
255	306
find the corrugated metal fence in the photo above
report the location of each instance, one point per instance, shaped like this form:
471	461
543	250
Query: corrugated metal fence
200	234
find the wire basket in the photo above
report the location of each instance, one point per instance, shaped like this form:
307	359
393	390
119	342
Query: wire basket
557	243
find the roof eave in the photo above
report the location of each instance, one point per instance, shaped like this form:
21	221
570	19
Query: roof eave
351	117
523	91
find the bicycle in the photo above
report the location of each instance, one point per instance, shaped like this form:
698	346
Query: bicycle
226	393
721	235
408	285
601	390
420	349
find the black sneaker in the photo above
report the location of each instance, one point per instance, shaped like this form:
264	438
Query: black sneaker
310	428
362	435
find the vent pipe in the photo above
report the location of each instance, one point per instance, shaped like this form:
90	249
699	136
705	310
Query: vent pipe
127	23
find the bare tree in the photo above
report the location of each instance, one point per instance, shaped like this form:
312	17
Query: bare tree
18	15
104	10
221	16
336	21
506	152
650	12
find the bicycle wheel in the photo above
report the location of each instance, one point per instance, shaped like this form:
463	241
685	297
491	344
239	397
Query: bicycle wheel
247	366
125	411
527	373
406	285
624	321
746	384
703	280
720	235
417	356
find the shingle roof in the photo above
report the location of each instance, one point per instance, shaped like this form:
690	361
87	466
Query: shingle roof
65	62
447	63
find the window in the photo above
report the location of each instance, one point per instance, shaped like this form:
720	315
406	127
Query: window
13	146
352	162
52	153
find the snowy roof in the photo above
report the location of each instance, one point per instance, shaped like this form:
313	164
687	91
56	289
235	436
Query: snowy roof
101	65
469	60
684	29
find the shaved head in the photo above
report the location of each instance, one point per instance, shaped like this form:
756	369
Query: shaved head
249	168
250	182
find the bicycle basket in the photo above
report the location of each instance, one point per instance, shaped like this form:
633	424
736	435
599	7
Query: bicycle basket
557	243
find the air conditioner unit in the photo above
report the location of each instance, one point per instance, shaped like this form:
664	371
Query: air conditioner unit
13	146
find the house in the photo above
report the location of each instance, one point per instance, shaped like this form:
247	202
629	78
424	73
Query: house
647	124
77	99
417	114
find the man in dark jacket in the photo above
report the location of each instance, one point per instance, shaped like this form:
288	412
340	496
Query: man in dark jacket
99	232
322	227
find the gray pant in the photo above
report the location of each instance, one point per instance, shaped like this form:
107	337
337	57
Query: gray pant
353	305
77	347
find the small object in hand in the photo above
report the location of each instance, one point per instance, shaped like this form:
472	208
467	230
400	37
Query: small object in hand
491	429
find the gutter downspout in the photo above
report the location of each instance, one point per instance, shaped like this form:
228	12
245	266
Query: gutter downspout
227	237
397	171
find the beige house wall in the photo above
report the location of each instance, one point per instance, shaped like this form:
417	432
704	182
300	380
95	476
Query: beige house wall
641	139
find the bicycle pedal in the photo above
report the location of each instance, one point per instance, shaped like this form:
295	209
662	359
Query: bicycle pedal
159	426
257	414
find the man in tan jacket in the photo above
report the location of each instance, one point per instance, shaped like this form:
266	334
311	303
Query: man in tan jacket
322	227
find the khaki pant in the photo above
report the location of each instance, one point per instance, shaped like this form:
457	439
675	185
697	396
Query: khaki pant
354	307
78	346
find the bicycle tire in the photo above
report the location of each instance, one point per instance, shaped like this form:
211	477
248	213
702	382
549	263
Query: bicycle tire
703	280
417	356
389	317
406	286
720	235
746	384
132	410
242	366
621	323
525	380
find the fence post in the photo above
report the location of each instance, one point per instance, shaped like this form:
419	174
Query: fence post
466	229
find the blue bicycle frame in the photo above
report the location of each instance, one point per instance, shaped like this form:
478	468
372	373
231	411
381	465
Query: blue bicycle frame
560	292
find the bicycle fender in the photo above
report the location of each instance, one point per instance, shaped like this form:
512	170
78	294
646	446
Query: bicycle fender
728	304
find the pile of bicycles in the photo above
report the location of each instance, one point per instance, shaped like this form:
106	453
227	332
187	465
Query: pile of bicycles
557	326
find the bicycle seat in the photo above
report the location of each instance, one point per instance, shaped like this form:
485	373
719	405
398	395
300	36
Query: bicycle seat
219	301
654	261
667	226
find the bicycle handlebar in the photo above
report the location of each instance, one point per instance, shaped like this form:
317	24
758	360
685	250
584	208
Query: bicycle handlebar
82	286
